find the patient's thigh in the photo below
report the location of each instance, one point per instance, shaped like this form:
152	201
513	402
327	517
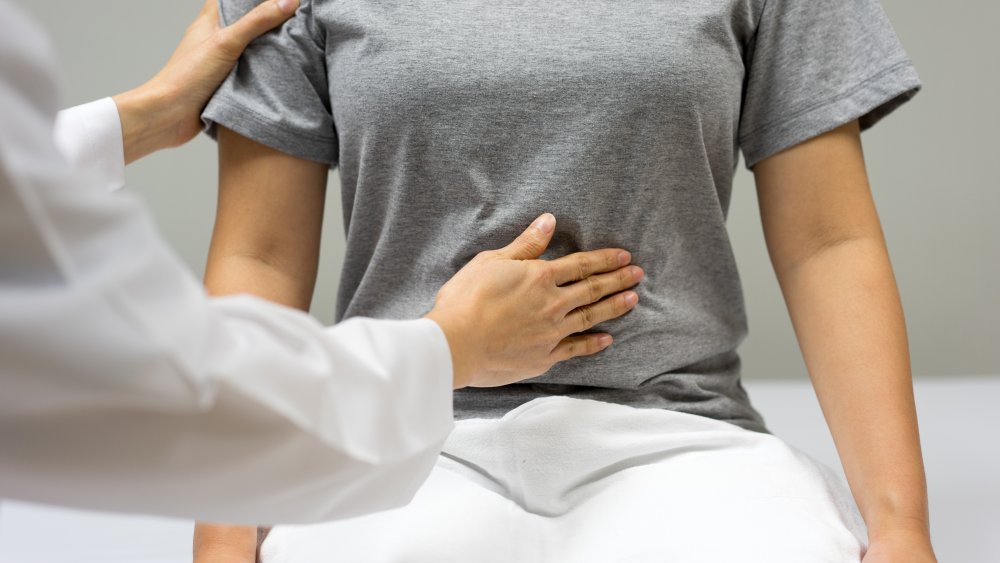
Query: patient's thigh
645	515
563	481
455	514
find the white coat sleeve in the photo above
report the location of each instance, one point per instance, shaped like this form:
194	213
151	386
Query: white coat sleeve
90	137
124	387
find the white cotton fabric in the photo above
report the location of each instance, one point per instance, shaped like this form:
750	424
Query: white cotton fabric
90	136
570	480
124	387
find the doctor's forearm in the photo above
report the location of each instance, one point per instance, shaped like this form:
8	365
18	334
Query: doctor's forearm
850	326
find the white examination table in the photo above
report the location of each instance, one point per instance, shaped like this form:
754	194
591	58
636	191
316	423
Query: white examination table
959	424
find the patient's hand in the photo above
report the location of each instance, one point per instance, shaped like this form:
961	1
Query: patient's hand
509	316
224	544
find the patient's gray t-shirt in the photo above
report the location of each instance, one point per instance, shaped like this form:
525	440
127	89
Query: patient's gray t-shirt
455	124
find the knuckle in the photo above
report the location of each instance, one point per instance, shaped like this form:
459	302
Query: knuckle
582	268
600	313
586	317
227	43
545	274
555	311
572	349
611	260
619	305
593	289
534	245
625	277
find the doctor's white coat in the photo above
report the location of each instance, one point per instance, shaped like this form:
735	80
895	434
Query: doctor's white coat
124	387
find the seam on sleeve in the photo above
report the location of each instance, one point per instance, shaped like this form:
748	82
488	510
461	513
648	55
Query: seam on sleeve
265	121
825	102
874	97
233	115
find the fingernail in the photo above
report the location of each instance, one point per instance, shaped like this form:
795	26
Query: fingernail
288	5
624	258
631	298
546	223
637	273
604	340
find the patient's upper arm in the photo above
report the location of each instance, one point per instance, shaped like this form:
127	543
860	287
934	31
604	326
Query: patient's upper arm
268	222
814	196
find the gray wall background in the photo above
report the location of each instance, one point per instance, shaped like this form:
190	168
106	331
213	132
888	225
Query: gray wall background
931	164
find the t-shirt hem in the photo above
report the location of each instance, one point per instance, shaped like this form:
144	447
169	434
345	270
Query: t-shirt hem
228	113
495	403
868	101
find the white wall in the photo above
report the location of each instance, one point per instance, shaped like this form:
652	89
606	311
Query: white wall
931	166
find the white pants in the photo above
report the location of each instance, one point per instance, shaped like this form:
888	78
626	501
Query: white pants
577	481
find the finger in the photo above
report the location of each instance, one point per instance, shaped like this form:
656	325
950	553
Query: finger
582	265
597	287
584	318
580	345
258	21
208	16
533	241
209	7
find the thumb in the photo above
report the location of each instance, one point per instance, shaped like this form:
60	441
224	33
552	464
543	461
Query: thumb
260	20
530	244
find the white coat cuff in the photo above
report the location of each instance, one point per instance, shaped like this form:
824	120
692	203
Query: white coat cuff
438	354
427	350
438	351
90	136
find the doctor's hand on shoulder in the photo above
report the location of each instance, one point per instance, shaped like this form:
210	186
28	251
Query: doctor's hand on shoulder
166	111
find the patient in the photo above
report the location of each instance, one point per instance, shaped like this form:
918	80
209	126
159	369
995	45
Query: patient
454	123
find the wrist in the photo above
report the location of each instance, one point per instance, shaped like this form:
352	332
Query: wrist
463	364
146	123
897	508
896	525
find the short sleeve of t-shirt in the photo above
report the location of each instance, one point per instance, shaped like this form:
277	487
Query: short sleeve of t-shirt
814	65
278	94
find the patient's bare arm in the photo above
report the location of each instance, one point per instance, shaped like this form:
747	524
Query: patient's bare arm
266	244
224	544
828	251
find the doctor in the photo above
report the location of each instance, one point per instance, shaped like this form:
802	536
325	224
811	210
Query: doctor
124	387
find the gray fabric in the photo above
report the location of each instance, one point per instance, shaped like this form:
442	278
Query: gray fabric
455	124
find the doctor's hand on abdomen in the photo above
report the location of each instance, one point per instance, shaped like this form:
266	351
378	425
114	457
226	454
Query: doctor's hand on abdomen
509	316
